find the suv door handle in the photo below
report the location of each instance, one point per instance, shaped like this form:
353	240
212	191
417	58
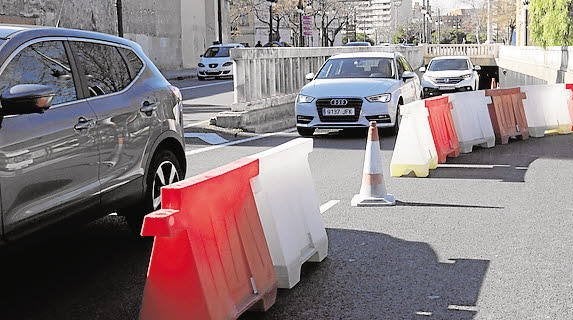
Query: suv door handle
84	124
148	108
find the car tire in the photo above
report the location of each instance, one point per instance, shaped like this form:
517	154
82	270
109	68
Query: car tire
163	170
305	132
200	78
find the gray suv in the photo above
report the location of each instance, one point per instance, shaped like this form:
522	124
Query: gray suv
89	126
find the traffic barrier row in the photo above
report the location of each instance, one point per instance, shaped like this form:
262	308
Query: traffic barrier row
460	121
221	238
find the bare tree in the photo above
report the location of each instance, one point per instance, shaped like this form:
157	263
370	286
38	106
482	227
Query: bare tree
330	16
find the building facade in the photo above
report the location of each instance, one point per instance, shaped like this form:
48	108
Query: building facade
173	33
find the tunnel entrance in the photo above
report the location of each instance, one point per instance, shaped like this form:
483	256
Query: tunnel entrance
486	74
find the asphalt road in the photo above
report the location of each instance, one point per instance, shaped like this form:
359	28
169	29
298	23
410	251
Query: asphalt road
469	242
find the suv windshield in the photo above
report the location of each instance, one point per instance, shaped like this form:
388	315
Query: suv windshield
357	68
448	64
216	52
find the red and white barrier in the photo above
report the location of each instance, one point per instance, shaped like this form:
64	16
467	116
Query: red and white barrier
289	209
471	119
210	259
414	150
547	108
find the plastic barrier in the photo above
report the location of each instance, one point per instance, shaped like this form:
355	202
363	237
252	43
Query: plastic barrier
414	150
547	108
289	209
507	114
442	126
209	259
471	119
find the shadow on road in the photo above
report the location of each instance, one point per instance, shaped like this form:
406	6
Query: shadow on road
375	276
511	161
441	205
95	272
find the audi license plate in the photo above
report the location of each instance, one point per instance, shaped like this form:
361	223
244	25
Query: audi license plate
338	111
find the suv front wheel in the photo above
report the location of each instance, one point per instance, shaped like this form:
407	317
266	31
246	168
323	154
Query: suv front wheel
164	170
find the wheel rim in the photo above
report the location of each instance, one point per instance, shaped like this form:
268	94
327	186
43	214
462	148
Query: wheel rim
166	174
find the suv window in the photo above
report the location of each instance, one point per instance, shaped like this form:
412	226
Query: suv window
104	68
44	63
133	62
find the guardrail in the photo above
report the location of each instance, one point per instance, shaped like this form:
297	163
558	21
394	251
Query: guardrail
265	77
470	50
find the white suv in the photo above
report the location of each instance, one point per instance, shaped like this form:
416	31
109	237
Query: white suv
216	61
449	74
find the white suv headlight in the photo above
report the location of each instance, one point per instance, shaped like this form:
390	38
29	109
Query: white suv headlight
467	76
304	99
384	97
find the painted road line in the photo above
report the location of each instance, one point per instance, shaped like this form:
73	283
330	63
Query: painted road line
206	85
210	138
473	166
462	308
328	205
196	124
232	143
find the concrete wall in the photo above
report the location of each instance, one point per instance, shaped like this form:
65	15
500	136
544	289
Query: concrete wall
535	65
156	26
78	14
173	33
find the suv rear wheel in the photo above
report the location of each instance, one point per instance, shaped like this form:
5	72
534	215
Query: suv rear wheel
165	169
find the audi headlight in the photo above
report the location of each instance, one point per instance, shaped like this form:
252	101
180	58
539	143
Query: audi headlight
227	64
201	65
467	76
304	99
385	97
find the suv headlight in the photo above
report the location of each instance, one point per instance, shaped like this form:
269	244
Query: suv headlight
384	97
226	64
467	76
304	99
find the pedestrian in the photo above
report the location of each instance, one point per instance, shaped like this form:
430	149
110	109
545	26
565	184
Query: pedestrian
258	45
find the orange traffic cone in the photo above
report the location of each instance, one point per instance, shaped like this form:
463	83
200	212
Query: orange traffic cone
373	189
493	83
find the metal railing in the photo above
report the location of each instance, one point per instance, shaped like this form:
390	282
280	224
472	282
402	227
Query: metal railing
470	50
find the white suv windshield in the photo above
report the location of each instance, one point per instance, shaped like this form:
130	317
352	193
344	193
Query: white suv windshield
357	68
448	64
216	52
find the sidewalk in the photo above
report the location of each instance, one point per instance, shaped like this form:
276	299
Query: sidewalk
180	74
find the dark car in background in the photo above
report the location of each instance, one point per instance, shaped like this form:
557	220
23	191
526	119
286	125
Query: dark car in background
89	126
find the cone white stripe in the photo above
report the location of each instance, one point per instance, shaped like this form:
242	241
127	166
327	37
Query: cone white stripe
373	163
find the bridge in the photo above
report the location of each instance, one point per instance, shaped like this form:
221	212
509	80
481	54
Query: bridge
267	80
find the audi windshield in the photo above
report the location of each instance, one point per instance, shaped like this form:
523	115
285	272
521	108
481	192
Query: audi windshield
448	64
357	68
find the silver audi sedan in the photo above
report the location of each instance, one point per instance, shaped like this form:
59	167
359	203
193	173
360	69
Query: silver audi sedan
350	90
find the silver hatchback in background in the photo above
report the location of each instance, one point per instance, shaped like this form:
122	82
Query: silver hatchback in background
89	126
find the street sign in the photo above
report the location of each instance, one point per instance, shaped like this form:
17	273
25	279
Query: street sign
307	25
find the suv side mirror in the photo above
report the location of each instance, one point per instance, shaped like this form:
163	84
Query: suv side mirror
309	76
422	69
26	99
477	68
407	75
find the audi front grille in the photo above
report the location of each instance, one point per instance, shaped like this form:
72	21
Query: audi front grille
355	103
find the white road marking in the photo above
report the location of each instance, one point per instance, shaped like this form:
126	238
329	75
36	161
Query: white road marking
473	166
210	138
196	124
328	205
206	85
462	308
424	313
232	143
